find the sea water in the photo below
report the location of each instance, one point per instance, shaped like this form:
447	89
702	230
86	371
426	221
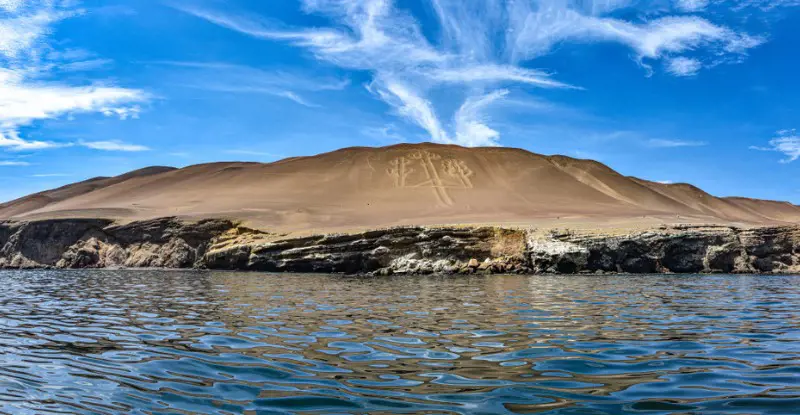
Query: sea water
161	342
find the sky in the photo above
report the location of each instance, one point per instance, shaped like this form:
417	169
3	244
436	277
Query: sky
699	91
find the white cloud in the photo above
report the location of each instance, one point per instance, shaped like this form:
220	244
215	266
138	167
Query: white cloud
681	66
663	37
786	142
22	34
10	5
296	98
665	182
27	59
378	34
10	140
496	73
24	102
655	142
46	175
765	5
470	121
4	163
122	113
691	5
113	146
483	45
408	104
470	27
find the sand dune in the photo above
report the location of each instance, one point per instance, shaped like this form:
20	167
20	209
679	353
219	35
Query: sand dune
399	185
41	200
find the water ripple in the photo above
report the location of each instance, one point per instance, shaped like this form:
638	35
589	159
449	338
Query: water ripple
144	342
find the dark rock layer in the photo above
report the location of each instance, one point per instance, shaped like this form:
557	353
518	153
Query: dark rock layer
97	243
221	244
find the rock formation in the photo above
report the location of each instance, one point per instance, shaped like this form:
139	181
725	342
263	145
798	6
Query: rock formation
224	245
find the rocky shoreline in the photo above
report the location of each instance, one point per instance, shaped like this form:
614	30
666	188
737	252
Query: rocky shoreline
224	245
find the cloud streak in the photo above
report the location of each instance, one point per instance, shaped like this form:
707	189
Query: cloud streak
682	66
22	101
11	141
239	79
4	163
691	5
470	121
662	143
113	145
786	142
50	175
408	104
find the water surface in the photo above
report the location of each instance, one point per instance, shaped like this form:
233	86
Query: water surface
157	342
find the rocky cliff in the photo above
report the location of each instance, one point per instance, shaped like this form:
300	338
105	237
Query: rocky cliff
98	243
223	245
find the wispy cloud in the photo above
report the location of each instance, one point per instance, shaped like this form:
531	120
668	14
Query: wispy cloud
661	143
5	163
73	60
11	141
387	133
87	65
537	30
496	73
388	42
240	79
27	94
682	66
409	104
471	54
470	121
49	175
296	98
691	5
113	146
10	5
23	102
765	5
786	142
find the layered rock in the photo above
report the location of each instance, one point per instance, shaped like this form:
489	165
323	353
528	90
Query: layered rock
413	250
97	243
223	245
686	250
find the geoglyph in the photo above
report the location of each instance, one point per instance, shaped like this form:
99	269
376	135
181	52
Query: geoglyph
433	172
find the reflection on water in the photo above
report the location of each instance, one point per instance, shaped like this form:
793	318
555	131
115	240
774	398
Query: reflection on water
142	342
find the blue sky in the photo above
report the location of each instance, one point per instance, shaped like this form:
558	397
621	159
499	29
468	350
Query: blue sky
700	91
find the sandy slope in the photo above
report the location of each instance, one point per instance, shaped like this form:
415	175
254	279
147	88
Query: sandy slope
358	188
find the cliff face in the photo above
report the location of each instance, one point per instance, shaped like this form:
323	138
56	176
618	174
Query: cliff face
98	243
220	244
674	250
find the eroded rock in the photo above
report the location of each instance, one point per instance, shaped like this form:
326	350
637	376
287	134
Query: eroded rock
220	244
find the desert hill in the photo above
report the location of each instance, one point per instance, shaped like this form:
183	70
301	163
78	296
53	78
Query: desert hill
405	184
42	199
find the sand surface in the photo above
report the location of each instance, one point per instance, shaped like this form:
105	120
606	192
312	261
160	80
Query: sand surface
408	184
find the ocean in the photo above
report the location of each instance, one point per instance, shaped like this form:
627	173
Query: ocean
171	342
